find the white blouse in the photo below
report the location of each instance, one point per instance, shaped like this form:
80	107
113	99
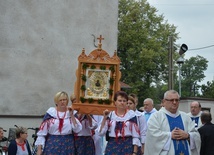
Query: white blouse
129	128
51	126
20	151
86	128
142	125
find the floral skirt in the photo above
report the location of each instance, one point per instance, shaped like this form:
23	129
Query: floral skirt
59	145
84	145
119	146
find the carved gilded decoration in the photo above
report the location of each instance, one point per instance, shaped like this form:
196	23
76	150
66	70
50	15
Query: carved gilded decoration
98	78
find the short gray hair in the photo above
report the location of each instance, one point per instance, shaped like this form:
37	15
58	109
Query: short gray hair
170	92
149	99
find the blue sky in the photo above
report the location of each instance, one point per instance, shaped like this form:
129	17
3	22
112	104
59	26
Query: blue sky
195	24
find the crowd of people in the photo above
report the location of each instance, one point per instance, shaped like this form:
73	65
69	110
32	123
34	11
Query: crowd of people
127	131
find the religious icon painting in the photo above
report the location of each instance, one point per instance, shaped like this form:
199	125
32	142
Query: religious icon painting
98	77
97	84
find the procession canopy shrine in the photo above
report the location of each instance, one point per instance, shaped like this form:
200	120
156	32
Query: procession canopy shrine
98	77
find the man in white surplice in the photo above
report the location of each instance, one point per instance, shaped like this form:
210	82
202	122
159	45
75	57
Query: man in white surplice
171	131
195	113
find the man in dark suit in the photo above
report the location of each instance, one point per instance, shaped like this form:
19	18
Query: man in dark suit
207	134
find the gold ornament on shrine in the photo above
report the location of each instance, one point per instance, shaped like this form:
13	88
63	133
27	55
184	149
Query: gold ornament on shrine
98	77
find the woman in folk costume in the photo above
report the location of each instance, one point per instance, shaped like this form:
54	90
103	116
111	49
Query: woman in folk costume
121	125
84	144
56	131
20	145
141	121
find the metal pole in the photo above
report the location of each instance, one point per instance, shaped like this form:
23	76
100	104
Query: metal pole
170	56
179	79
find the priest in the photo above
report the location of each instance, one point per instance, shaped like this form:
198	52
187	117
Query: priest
170	131
195	113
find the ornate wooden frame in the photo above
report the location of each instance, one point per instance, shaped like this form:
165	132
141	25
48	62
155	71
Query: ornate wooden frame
98	77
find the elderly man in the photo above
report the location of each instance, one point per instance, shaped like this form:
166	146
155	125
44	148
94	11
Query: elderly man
1	133
195	113
2	138
148	108
2	141
170	131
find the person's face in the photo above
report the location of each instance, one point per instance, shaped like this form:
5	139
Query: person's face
147	106
121	103
1	134
171	102
131	105
74	100
24	135
194	108
62	102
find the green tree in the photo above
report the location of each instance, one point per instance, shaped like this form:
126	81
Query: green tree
143	48
208	89
192	74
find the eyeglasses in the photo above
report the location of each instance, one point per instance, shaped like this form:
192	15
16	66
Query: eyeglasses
172	100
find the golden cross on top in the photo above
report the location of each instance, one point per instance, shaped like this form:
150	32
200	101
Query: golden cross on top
100	39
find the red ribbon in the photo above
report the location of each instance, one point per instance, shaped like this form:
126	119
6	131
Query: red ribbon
22	146
61	121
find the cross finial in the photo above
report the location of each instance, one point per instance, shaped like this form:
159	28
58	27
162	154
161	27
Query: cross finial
100	39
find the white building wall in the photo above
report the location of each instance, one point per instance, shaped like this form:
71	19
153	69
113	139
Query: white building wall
39	46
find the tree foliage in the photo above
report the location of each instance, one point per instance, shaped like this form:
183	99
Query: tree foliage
208	89
143	48
192	74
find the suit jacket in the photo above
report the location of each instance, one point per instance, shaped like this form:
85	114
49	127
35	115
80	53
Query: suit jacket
207	139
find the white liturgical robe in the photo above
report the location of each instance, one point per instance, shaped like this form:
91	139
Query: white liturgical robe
158	136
